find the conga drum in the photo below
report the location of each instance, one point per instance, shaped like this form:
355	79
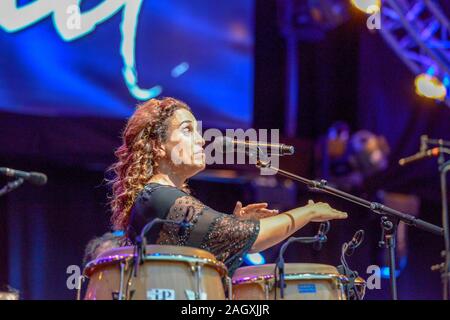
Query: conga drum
303	281
165	273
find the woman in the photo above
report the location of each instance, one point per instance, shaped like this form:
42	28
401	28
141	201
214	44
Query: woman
162	149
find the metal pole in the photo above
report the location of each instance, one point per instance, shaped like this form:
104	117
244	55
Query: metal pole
446	272
393	279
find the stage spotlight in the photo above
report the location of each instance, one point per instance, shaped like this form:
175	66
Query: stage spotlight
430	86
254	259
367	6
346	159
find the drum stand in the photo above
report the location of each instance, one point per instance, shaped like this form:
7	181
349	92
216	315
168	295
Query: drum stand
394	216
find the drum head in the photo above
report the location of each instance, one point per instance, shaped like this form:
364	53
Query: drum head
162	249
153	252
166	273
266	271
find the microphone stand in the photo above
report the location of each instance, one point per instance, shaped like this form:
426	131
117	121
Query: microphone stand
391	216
445	269
388	241
444	167
10	186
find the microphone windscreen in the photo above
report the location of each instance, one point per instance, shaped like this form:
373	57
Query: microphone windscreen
37	178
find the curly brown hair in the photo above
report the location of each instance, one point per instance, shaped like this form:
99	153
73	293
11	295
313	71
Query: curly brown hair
136	159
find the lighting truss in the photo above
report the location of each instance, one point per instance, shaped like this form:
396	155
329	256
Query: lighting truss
418	32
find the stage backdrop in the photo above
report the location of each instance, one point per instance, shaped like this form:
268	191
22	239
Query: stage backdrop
69	80
100	59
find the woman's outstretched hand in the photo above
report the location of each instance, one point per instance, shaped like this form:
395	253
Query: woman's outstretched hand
253	211
321	211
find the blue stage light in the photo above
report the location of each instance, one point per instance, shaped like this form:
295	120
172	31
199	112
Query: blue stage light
254	259
431	71
119	233
180	69
446	82
385	272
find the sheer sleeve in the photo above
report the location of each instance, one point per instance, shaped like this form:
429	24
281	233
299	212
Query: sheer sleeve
229	238
226	236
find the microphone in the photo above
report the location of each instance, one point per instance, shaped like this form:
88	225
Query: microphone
419	156
35	178
321	235
353	292
231	145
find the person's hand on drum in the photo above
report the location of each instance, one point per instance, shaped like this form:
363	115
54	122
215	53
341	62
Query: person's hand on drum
253	211
321	211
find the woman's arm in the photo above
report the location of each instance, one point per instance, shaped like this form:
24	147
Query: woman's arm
277	228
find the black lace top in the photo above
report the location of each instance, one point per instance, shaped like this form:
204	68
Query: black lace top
225	236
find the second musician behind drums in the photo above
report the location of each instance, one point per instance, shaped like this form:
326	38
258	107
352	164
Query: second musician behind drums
161	149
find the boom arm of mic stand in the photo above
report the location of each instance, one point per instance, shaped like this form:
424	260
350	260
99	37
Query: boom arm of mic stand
10	186
373	206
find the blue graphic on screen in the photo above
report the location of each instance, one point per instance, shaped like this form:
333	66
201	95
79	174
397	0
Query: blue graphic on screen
123	52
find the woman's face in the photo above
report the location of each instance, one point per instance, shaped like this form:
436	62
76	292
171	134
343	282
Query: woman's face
183	151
